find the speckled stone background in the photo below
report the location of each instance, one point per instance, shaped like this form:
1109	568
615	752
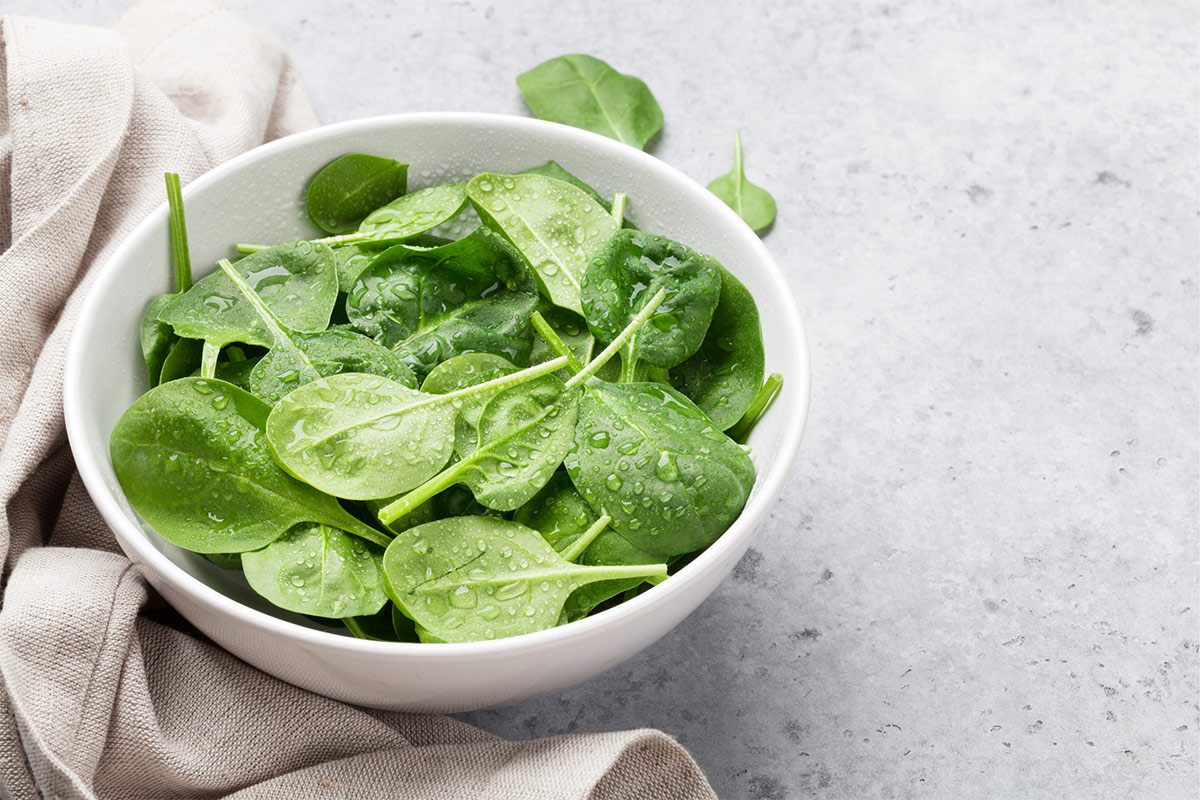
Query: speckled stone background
982	578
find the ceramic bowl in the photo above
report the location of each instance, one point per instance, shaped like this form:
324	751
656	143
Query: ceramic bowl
258	197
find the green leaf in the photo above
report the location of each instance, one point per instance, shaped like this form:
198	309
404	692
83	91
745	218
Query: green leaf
297	281
432	304
326	353
649	458
157	338
584	92
349	188
408	216
631	268
182	361
318	570
192	459
752	203
476	578
724	375
364	437
561	515
557	227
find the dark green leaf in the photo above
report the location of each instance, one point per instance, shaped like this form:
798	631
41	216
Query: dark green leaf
725	373
349	188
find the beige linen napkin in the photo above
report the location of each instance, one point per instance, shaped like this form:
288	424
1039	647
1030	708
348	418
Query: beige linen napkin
98	700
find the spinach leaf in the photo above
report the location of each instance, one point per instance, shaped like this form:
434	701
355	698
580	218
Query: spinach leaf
475	578
318	570
432	304
584	92
752	203
349	188
557	227
296	281
156	337
407	216
365	437
192	459
647	456
297	358
630	269
469	369
561	515
352	259
520	439
724	375
552	169
182	361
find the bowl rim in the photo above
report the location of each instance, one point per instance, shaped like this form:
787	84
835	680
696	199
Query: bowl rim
738	533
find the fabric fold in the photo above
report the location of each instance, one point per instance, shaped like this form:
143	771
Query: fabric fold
98	700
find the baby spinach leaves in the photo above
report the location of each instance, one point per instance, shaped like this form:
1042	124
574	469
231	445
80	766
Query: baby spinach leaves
631	268
585	92
644	454
349	188
475	578
619	478
557	227
318	570
752	203
193	460
724	375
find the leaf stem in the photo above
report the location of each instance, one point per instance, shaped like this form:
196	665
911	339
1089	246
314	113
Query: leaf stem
616	344
415	497
505	381
555	342
579	545
178	229
618	208
617	572
251	248
208	359
740	432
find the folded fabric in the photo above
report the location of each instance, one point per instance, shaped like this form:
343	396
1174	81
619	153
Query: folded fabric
98	700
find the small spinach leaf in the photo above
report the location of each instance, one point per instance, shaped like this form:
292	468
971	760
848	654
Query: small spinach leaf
318	570
557	227
724	375
552	169
407	216
474	578
296	281
585	92
192	459
647	456
349	188
752	203
630	269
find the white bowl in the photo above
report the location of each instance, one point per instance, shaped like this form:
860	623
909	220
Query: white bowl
257	197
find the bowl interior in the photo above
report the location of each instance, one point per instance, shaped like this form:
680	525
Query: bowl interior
258	197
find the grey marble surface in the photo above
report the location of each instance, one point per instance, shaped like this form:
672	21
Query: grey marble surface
982	578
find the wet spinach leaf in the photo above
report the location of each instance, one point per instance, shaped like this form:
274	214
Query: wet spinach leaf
408	216
585	92
557	227
647	456
724	375
320	571
629	270
193	460
476	578
552	169
752	203
297	281
349	188
364	437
